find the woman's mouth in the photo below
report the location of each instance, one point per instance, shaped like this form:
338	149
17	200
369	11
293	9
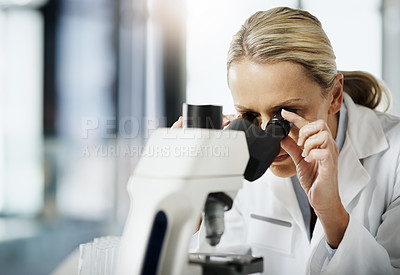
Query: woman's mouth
281	158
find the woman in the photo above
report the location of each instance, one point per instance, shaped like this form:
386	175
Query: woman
330	201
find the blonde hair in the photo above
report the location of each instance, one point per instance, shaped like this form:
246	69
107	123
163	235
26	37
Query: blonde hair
285	34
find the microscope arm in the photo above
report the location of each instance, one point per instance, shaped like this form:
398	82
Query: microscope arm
168	190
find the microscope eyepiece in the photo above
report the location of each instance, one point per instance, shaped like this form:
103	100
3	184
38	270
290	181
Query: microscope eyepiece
264	145
283	128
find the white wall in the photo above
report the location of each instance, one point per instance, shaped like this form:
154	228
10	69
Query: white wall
355	30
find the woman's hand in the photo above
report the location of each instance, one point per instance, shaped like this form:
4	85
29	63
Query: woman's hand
317	170
226	120
178	123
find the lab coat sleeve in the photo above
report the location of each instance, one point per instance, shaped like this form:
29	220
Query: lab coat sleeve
360	252
234	238
331	251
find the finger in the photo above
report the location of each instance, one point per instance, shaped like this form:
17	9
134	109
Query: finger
322	155
294	118
294	151
228	118
178	123
312	129
319	140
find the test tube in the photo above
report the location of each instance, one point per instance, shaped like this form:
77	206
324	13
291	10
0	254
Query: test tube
85	259
101	260
99	257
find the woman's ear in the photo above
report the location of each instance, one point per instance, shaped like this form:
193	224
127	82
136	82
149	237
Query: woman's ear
337	95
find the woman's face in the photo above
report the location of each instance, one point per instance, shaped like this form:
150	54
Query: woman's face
264	89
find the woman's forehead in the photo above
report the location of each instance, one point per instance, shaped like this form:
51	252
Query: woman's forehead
286	80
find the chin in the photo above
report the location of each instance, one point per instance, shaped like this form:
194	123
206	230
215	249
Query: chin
283	170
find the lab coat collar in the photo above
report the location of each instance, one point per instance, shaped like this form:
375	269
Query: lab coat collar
364	130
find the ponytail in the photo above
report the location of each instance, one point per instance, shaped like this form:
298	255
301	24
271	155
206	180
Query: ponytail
366	90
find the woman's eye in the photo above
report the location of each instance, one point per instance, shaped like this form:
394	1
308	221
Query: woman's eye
251	117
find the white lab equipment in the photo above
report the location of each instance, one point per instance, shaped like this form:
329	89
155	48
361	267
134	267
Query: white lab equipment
172	183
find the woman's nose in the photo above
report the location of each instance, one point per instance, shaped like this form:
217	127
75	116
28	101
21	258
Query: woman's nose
264	122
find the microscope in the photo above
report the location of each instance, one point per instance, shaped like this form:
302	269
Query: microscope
184	172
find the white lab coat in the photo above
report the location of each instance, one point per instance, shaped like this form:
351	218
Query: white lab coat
266	217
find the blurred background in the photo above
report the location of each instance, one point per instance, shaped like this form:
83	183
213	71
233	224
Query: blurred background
83	83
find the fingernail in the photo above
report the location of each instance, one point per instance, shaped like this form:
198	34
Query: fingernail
302	154
180	118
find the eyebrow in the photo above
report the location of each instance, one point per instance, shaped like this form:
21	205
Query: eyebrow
277	107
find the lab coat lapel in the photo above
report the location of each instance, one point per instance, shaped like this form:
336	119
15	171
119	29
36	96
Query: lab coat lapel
352	175
283	190
364	137
364	130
